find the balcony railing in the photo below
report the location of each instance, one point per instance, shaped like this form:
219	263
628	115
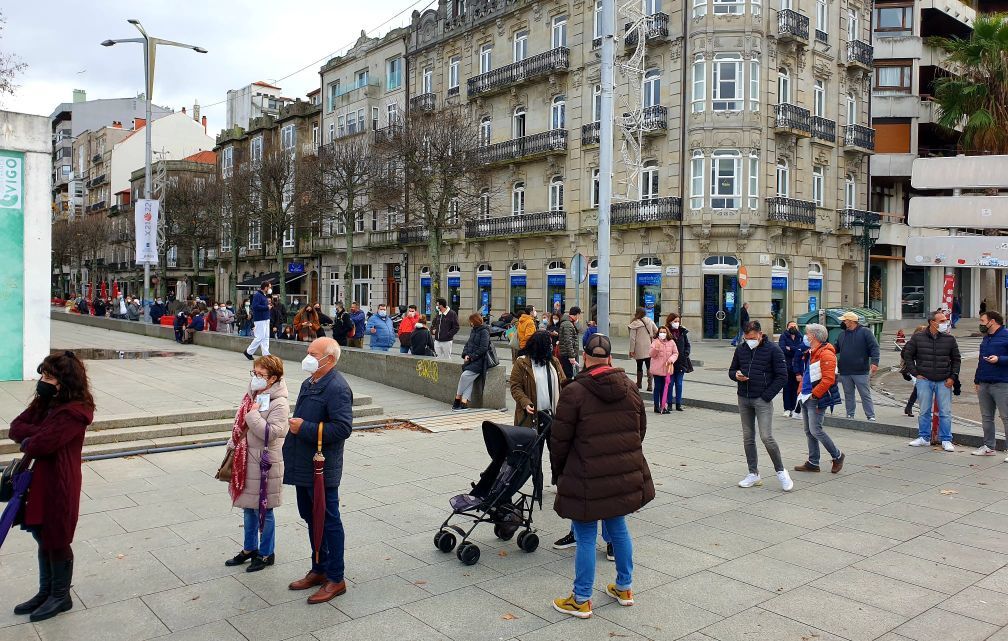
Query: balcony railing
656	26
792	25
547	142
537	223
113	210
389	237
453	91
789	210
859	138
97	206
792	118
860	53
654	118
590	134
386	134
849	216
96	158
823	128
646	211
545	63
413	235
424	103
94	182
821	36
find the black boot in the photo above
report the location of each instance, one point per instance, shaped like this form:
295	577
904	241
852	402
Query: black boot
45	587
678	407
457	404
59	600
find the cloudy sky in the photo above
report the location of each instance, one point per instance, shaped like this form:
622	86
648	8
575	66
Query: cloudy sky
248	40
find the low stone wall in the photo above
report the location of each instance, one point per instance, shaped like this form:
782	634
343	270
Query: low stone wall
437	379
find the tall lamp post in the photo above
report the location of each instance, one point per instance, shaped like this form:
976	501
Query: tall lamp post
867	226
150	44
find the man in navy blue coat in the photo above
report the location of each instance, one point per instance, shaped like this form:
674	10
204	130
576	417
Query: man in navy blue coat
324	409
260	320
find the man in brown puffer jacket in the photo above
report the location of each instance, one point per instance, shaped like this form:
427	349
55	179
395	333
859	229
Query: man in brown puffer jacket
596	455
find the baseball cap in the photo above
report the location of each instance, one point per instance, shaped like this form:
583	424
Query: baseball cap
850	316
599	346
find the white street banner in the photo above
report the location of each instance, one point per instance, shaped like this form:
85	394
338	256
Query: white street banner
957	251
146	232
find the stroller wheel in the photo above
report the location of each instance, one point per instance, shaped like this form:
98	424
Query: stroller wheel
504	532
468	553
444	541
528	541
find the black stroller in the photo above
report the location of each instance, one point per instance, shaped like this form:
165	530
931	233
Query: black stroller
516	454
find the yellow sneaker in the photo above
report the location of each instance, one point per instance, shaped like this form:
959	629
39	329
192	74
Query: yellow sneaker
572	607
625	597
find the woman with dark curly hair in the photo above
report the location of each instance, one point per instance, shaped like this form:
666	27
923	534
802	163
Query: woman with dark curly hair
51	433
535	379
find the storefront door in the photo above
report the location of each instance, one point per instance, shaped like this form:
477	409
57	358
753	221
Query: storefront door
649	295
721	306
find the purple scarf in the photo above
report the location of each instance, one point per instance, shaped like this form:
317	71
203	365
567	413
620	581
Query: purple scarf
264	467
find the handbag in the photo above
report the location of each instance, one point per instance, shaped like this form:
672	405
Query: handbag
512	338
226	466
491	358
8	475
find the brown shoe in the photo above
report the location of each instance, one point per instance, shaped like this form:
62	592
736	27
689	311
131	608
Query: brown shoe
328	592
838	463
806	467
310	581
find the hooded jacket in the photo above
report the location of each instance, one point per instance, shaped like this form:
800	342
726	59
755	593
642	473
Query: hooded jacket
596	448
642	332
421	343
935	357
526	327
663	354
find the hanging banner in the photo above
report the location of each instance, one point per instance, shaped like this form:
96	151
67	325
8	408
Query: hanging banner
12	263
146	215
947	292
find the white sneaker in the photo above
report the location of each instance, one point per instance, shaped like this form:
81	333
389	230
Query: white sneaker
983	451
751	480
797	415
785	481
947	446
919	442
787	413
871	419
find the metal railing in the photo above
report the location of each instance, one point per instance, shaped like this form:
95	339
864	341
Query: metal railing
94	182
554	140
792	23
386	134
453	91
788	116
413	235
823	128
425	102
821	36
590	133
654	117
645	211
860	52
97	206
849	216
96	158
790	210
656	26
540	222
113	210
542	64
860	137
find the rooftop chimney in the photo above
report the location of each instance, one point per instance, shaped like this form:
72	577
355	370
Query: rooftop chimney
116	124
79	95
204	124
138	123
196	110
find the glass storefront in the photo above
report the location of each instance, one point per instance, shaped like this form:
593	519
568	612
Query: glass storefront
778	302
877	288
914	299
425	294
454	290
721	306
519	284
556	291
649	295
484	287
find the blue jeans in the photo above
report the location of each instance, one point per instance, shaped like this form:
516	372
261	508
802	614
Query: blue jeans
330	561
585	533
660	381
677	381
926	391
404	349
814	433
265	542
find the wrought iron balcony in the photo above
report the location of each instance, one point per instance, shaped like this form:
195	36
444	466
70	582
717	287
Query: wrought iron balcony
94	182
655	26
654	118
646	211
821	36
97	206
114	210
524	224
96	158
823	129
453	91
849	216
860	54
792	119
590	134
859	139
386	134
413	235
791	211
792	26
424	103
525	148
544	64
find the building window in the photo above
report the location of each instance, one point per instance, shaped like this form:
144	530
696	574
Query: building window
597	28
333	94
288	138
393	74
485	130
894	19
652	7
362	284
727	82
332	131
850	193
893	75
851	109
288	237
649	181
756	7
696	180
754	84
754	169
255	234
699	8
726	178
453	212
484	204
358	221
227	161
486	58
360	120
256	149
822	16
783	179
699	83
521	46
783	87
391	113
390	219
374	118
818	186
341	126
728	7
556	194
594	188
819	99
428	80
225	243
559	31
853	26
652	88
518	199
315	134
518	123
362	78
453	72
558	113
597	103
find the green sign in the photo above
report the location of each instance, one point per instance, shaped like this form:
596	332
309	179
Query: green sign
11	264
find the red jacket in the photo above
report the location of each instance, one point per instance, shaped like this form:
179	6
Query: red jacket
406	326
54	439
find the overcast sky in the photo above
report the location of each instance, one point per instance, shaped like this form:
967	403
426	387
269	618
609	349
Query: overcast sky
248	40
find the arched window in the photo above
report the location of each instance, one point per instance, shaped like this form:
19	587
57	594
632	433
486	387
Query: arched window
518	123
649	261
649	181
726	179
485	130
783	86
783	179
720	265
652	88
555	265
484	268
556	193
815	268
697	180
518	199
518	267
779	264
558	113
699	8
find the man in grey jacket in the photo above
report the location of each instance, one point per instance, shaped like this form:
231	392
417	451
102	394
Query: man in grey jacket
857	359
568	345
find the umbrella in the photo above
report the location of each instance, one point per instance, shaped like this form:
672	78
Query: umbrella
318	499
664	396
104	290
115	289
21	482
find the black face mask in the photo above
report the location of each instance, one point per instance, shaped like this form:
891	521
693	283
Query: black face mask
793	331
46	391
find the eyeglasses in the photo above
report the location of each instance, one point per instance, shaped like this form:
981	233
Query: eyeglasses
254	373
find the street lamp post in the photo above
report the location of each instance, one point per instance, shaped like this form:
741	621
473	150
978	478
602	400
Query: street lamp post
150	44
867	226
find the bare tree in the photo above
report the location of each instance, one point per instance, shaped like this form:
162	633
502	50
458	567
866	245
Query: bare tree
93	235
10	66
239	205
432	171
62	240
191	205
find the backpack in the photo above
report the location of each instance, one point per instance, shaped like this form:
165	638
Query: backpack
353	329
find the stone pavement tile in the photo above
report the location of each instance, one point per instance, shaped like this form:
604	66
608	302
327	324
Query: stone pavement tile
95	526
201	603
939	625
196	562
710	504
816	500
683	488
363	529
668	515
796	515
123	621
914	475
411	516
177	494
510	558
706	538
913	513
996	581
270	584
93	506
758	624
958	503
127	469
448	577
880	591
975	536
839	615
206	506
850	540
980	603
674	560
115	579
714	592
421	546
353	501
1000	635
570	629
765	572
985	519
845	488
151	515
884	526
287	620
22	632
229	525
749	525
216	631
368	562
392	623
814	556
1001	507
134	542
644	578
18	541
533	589
446	486
652	617
922	572
474	615
386	593
100	488
957	555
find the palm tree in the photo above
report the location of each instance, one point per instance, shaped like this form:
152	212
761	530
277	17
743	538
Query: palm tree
976	98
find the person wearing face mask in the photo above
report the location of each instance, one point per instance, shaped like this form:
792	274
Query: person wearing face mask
933	358
358	318
991	378
406	326
526	327
322	422
759	370
51	433
157	310
99	307
211	318
819	392
260	308
642	332
243	318
225	318
133	309
663	354
342	325
444	328
324	321
257	438
421	341
381	330
307	323
857	360
683	365
793	345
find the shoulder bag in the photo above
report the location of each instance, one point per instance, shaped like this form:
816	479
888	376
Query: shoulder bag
226	466
10	472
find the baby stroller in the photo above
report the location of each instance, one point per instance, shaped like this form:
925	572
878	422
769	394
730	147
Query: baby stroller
516	456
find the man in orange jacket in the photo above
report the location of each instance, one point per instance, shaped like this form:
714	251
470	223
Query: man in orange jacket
818	391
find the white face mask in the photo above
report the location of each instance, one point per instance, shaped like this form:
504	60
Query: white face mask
752	342
259	383
943	327
662	335
310	364
675	324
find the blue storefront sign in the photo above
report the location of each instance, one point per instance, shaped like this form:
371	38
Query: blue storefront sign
653	280
815	285
779	282
518	281
813	303
295	268
484	281
454	281
425	282
556	280
593	280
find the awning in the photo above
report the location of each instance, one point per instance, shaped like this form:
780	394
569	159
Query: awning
273	278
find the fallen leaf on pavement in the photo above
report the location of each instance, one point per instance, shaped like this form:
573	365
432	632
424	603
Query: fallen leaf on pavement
948	492
420	582
120	556
502	553
509	617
